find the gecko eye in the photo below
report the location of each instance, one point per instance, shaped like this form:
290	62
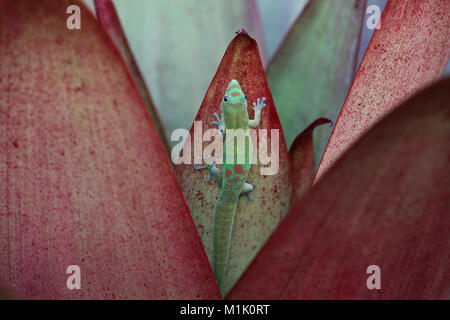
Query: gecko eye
225	98
245	98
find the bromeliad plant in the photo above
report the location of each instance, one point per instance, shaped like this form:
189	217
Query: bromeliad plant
85	179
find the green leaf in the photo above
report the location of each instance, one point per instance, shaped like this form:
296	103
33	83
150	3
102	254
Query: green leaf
384	203
409	51
312	72
178	45
84	179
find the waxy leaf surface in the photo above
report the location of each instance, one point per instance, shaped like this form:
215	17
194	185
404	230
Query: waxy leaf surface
313	69
84	179
178	45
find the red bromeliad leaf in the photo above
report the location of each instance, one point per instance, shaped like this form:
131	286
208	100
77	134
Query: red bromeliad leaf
410	50
301	155
108	19
255	220
4	295
384	203
84	179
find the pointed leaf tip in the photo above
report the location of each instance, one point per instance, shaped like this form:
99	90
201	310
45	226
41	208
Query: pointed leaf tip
301	156
84	171
242	31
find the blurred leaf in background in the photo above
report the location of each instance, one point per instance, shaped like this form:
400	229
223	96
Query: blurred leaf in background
83	178
178	45
313	70
278	17
385	202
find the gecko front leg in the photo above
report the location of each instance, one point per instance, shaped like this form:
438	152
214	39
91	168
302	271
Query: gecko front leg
219	123
257	106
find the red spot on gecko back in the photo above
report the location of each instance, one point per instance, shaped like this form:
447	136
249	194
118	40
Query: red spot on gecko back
238	169
228	173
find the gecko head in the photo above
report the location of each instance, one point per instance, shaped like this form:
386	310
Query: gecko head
234	96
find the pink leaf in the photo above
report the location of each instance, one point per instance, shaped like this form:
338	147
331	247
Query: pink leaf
84	179
384	203
409	51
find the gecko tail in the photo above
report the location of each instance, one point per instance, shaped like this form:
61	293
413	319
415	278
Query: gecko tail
224	212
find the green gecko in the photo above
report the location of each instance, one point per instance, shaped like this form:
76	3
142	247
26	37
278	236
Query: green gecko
232	179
